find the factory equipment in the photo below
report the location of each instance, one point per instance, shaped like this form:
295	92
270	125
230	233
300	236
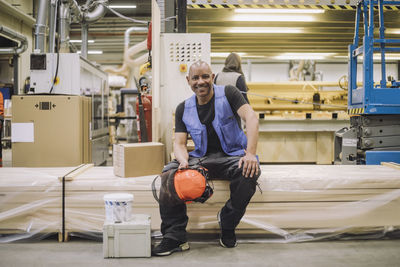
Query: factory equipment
129	99
75	76
59	73
374	133
137	75
298	119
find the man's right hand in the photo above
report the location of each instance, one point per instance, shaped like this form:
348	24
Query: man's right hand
183	164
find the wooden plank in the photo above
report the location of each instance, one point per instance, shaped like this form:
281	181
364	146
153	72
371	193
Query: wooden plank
80	169
288	147
325	145
391	165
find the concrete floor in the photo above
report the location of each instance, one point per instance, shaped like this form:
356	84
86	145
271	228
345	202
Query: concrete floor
79	252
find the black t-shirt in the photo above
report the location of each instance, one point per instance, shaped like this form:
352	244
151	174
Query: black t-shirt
206	115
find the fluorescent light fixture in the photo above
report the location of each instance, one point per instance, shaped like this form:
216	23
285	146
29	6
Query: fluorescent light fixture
393	31
252	56
93	52
264	30
259	17
388	57
122	6
305	56
225	54
341	57
278	11
376	57
80	41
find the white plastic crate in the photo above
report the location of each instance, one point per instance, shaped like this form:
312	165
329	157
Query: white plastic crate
127	239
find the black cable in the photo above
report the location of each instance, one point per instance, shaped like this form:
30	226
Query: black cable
154	190
55	76
58	61
63	210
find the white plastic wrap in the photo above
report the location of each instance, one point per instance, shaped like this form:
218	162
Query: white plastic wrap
30	201
298	203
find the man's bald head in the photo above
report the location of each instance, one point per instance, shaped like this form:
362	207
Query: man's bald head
199	64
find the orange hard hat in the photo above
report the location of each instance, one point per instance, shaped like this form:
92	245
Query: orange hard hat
189	184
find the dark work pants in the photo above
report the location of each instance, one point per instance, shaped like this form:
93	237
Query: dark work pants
220	166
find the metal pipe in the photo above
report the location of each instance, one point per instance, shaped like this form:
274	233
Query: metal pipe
249	69
75	9
15	37
52	24
63	27
84	47
40	26
128	32
161	5
96	14
15	68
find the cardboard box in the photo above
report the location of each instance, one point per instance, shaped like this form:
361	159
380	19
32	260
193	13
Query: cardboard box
50	131
138	159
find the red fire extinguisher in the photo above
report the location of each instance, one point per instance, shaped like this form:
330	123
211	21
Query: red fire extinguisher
143	112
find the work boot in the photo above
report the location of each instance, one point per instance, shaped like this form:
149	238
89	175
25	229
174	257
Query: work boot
169	246
227	238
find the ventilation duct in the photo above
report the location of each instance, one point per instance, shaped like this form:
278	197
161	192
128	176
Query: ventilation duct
14	36
40	26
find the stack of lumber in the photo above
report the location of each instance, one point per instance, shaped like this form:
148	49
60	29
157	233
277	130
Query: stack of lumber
31	199
312	198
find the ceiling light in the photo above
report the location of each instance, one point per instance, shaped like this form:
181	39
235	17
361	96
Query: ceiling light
252	56
305	56
122	6
264	30
278	11
80	41
377	56
93	52
259	17
225	54
388	57
393	31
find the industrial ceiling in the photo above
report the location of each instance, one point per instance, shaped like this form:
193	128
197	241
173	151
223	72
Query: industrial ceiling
324	35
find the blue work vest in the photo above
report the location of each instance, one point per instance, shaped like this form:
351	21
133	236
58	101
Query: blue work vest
232	138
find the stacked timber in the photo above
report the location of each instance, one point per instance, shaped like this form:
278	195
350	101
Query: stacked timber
31	200
308	198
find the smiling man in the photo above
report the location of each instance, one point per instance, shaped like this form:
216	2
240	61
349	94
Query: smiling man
212	118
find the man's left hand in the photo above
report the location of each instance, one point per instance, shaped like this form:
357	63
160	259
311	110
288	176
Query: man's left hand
250	165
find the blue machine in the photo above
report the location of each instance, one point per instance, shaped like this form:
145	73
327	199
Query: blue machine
374	107
384	97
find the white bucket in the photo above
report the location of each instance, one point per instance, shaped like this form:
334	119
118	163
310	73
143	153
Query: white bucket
118	207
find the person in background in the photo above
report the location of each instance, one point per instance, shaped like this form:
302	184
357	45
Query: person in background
232	74
212	117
